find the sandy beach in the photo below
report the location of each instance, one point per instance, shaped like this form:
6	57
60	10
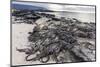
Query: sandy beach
19	40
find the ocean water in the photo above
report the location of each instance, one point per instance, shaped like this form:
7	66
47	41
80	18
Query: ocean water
84	17
85	14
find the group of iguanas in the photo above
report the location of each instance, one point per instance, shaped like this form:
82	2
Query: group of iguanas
49	41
